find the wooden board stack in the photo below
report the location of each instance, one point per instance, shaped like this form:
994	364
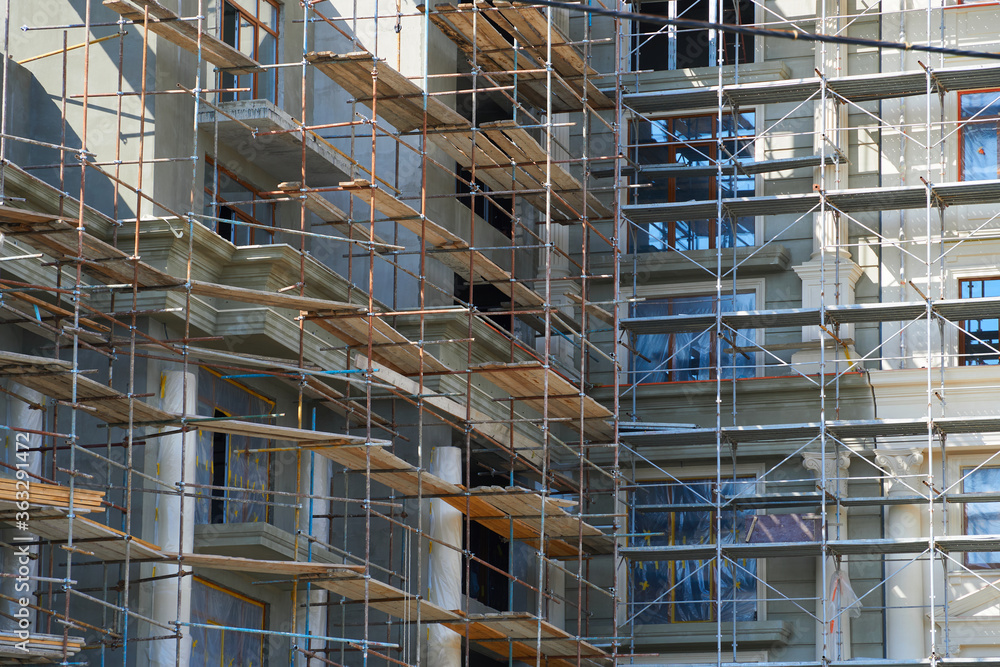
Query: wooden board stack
49	495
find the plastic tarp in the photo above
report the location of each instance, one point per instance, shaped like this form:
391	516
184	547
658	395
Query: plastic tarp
688	356
980	157
210	647
444	581
674	591
244	469
982	518
840	595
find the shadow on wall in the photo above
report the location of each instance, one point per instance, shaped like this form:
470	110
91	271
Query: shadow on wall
35	113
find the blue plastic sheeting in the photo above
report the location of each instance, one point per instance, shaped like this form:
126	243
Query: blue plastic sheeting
676	591
211	605
667	357
245	469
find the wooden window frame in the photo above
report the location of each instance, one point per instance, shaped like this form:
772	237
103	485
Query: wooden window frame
251	218
962	126
253	18
708	146
745	476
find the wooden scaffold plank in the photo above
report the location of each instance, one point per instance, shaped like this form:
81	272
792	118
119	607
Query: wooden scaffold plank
399	100
171	27
565	400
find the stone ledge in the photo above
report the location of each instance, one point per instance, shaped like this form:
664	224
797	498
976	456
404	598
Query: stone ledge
695	636
255	540
673	266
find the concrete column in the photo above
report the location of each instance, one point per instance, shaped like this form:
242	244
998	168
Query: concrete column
835	644
317	469
556	578
444	579
180	391
904	595
22	416
830	275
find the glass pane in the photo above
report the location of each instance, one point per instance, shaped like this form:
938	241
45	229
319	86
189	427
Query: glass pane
693	188
981	339
988	103
665	592
738	233
742	123
267	54
651	237
693	235
694	128
982	518
688	356
248	32
694	155
979	137
268	15
213	606
979	151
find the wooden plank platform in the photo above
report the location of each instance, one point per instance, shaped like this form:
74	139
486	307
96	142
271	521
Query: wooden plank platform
388	599
399	100
390	347
457	258
492	150
54	378
518	633
289	568
94	539
51	496
59	238
42	649
527	381
169	26
436	236
305	437
326	211
486	40
396	473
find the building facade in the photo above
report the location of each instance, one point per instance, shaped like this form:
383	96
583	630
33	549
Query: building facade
497	333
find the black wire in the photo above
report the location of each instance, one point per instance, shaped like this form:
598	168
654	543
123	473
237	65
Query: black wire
765	32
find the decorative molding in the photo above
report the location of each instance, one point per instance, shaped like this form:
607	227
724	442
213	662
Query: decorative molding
899	464
828	466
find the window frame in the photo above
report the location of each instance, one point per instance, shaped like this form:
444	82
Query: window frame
962	125
637	37
658	291
216	201
253	18
267	496
633	146
694	473
963	335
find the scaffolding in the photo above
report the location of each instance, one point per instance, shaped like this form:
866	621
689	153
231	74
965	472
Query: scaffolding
641	333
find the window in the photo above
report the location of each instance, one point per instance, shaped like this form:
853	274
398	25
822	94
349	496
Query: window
660	47
981	518
677	591
228	461
213	605
251	26
690	141
239	202
979	339
488	581
691	356
979	144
